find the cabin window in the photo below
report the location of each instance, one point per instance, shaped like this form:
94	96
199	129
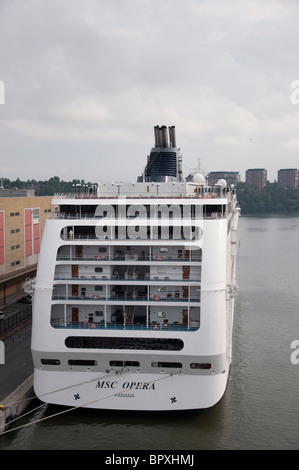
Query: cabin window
82	362
97	288
99	313
50	362
200	365
177	365
124	363
111	342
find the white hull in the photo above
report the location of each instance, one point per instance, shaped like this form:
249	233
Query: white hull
135	312
129	391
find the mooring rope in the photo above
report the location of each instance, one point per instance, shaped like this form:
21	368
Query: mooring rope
72	408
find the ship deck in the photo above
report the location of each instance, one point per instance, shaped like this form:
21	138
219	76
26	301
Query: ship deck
120	326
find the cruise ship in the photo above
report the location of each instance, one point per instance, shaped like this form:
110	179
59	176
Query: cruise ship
134	294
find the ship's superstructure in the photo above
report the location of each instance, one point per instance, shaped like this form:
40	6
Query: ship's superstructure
165	161
134	294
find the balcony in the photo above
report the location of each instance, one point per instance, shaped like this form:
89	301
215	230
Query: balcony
124	298
125	277
125	258
154	326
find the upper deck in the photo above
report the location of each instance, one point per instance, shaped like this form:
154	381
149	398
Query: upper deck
153	190
187	200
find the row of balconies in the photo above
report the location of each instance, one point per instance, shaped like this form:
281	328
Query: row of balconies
124	298
127	271
121	276
138	317
130	294
185	233
126	257
129	253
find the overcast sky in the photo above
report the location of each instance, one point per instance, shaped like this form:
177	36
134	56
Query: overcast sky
86	82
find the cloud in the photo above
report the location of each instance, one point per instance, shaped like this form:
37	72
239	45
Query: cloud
292	143
86	82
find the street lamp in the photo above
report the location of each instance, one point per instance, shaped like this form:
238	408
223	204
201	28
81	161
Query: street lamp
118	187
157	186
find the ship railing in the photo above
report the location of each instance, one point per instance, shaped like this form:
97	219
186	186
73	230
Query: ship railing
153	326
125	298
124	257
93	237
78	216
124	277
211	193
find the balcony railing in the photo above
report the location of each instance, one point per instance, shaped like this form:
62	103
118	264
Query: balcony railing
153	238
98	258
125	298
124	277
154	326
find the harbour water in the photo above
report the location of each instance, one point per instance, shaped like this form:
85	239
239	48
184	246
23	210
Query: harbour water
260	409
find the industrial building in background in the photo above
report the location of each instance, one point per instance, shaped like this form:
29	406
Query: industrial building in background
22	221
256	178
288	178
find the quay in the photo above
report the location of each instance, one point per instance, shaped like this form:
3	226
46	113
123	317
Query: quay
16	373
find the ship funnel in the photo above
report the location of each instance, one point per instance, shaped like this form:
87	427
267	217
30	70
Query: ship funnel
172	136
157	136
165	161
164	138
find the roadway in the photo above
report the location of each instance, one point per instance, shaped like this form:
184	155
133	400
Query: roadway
18	364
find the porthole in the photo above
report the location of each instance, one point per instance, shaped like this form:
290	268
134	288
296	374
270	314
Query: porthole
82	362
176	365
200	365
50	362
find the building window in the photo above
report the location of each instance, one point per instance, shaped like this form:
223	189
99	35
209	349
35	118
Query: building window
14	214
35	213
14	247
15	230
15	263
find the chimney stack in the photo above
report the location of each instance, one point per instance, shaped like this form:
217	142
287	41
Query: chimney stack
161	136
